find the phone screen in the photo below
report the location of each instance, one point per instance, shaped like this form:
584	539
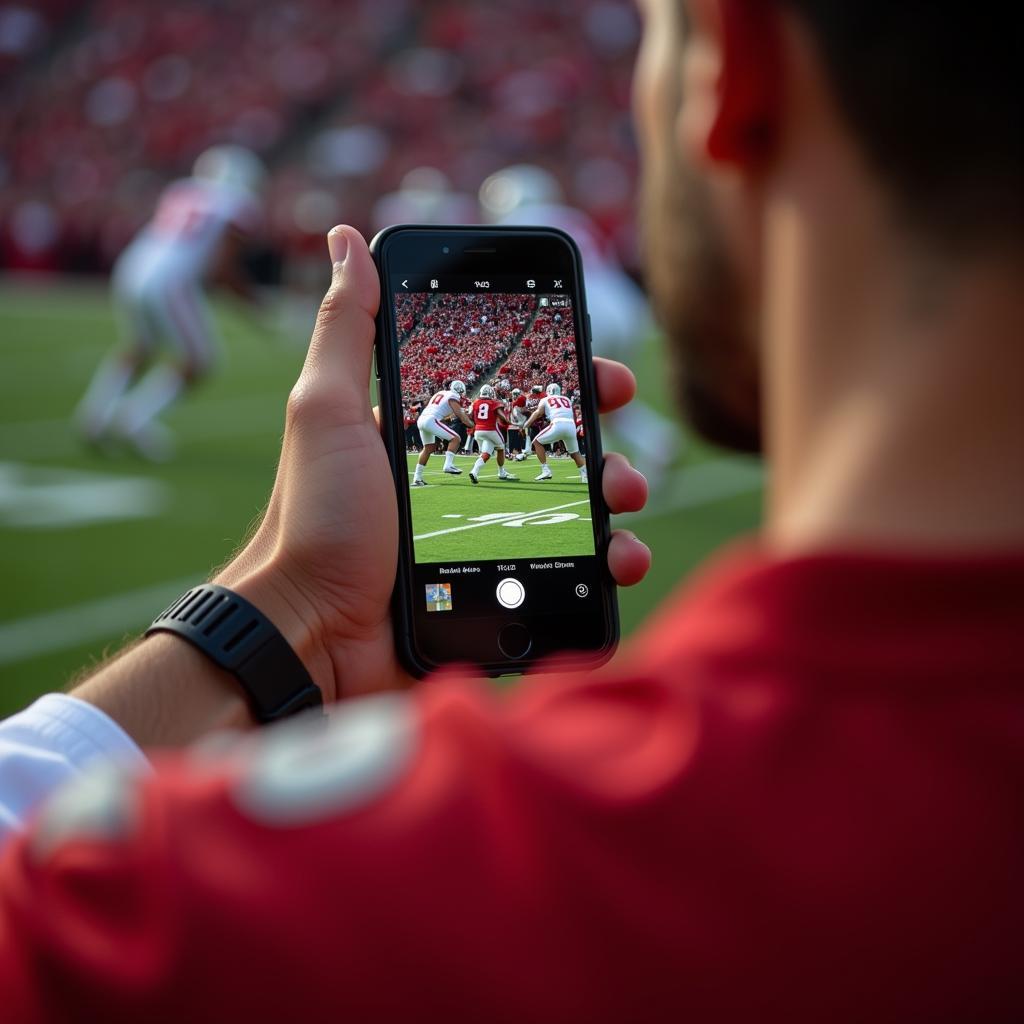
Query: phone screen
505	528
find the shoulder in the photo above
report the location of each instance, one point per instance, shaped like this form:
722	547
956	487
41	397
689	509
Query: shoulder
375	806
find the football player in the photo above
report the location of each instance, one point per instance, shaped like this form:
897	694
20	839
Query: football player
169	344
557	410
443	406
532	401
517	411
578	415
489	416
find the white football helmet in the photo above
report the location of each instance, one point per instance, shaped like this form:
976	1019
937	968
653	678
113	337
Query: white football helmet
554	389
458	387
231	165
487	392
504	385
516	392
513	188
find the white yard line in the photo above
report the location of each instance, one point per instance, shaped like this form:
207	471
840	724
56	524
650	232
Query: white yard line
65	628
498	522
51	498
233	417
22	639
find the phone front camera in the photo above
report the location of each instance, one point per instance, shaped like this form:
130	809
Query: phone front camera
445	249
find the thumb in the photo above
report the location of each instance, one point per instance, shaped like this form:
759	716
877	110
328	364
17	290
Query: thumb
341	351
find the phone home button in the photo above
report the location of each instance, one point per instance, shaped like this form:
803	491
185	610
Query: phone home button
514	641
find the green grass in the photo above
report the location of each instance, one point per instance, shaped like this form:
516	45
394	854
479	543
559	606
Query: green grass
67	540
453	520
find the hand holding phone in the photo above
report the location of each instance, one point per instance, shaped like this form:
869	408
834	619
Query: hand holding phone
322	562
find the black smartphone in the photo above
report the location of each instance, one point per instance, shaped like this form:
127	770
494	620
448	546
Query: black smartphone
489	414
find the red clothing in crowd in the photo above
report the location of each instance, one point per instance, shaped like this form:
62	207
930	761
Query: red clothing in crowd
799	797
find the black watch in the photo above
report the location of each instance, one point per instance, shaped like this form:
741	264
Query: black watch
242	640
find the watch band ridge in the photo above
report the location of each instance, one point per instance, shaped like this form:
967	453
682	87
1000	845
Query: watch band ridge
239	638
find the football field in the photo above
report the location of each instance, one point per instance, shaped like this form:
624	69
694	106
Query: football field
496	519
92	546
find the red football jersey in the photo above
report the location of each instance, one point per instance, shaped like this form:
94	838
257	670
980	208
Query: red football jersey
797	798
486	412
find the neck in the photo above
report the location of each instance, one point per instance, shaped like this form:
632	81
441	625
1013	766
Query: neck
894	391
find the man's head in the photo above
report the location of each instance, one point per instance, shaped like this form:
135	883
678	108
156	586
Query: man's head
924	98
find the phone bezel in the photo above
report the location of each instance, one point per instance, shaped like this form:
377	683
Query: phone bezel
509	244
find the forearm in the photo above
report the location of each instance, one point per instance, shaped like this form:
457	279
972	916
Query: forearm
159	692
165	693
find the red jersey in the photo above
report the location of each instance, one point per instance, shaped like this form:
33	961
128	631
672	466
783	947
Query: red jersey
797	797
486	412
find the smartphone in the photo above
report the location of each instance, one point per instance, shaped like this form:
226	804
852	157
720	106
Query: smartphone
489	414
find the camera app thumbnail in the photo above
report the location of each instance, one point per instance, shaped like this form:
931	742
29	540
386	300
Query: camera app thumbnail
439	597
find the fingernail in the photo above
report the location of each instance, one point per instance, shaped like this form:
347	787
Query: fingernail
337	245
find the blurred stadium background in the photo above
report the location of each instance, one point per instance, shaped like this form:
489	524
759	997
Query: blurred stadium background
106	102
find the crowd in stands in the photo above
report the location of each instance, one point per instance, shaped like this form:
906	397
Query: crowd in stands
27	29
457	336
129	100
107	101
409	306
547	354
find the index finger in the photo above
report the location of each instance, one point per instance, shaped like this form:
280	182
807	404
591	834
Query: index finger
616	384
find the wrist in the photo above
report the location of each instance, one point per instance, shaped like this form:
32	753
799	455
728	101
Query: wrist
270	589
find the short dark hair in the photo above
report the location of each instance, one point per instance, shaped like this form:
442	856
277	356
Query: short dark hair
932	91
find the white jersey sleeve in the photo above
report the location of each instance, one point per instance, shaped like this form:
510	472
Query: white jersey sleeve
193	216
449	397
48	744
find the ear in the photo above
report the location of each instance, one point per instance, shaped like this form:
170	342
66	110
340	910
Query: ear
736	119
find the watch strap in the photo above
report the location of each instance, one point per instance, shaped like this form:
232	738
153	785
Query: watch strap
239	638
